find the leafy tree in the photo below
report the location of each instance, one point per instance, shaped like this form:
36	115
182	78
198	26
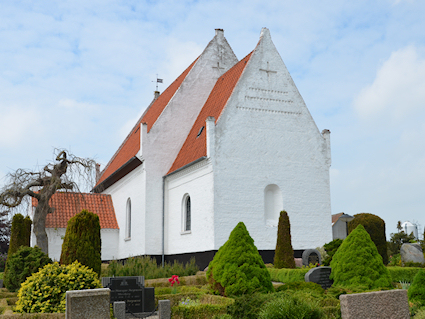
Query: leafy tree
398	239
42	185
82	241
375	226
357	262
237	267
284	254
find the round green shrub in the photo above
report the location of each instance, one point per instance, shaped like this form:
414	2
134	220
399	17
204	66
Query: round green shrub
82	241
416	292
22	264
358	263
45	291
375	226
237	267
290	307
284	254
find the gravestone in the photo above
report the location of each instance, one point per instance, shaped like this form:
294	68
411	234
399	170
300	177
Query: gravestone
412	253
131	289
311	256
320	275
87	303
389	304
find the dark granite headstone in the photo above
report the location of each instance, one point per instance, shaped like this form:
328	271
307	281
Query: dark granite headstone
320	275
138	299
311	256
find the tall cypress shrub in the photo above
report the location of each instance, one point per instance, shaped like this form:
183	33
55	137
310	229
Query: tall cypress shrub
20	233
284	254
375	226
82	241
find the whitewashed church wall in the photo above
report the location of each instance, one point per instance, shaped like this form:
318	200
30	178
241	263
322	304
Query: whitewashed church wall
131	186
163	142
197	182
267	136
55	239
109	238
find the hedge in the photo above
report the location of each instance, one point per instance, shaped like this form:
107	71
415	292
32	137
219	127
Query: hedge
212	305
287	275
403	273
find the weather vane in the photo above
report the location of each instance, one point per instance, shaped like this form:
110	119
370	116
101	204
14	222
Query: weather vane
157	81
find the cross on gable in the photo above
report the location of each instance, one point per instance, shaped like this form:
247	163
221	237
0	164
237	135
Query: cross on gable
218	67
268	70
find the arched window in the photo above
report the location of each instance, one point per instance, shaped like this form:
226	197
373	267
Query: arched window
128	219
186	213
273	204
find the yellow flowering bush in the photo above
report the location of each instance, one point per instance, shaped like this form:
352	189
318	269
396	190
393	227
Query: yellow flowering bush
45	291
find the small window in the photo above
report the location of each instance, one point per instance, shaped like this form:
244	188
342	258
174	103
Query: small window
187	209
128	220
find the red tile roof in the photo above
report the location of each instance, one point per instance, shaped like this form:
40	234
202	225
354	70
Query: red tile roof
69	204
335	217
196	146
131	144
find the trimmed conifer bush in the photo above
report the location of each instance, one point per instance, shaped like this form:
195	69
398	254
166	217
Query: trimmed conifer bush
284	254
358	263
375	226
237	267
45	290
22	264
416	290
331	249
82	241
20	233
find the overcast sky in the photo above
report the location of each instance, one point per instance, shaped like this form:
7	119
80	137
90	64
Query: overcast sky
78	74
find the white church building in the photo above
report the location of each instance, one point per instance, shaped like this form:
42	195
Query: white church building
227	141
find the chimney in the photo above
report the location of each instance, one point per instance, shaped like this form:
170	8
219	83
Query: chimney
156	94
219	32
97	172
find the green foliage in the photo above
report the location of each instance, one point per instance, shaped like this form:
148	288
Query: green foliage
247	306
300	285
147	266
82	241
331	249
403	273
44	291
20	233
22	264
290	307
204	308
358	263
398	239
237	267
287	275
284	254
375	226
416	291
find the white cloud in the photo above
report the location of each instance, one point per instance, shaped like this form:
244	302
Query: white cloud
398	89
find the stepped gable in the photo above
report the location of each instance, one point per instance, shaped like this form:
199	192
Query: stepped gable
67	204
131	144
195	146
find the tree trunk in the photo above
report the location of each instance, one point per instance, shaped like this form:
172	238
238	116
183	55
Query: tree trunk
39	223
